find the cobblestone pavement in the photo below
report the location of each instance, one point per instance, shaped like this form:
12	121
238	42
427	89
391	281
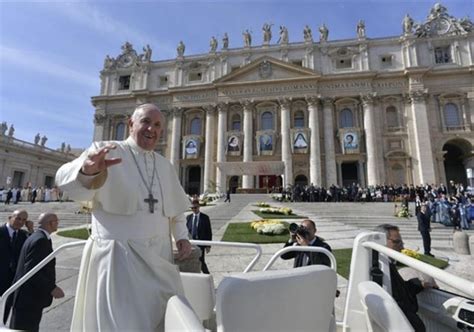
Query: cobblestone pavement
337	223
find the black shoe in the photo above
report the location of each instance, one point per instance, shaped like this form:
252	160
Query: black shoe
431	255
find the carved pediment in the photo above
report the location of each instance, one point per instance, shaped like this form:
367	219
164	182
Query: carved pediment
267	69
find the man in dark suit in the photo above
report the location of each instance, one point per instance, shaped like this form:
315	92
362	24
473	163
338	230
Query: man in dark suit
404	291
38	292
199	226
424	227
306	236
12	238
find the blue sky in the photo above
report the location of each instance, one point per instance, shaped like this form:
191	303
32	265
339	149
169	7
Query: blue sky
51	52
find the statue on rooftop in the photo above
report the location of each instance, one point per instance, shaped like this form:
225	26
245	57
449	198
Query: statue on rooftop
147	53
43	140
247	38
307	34
63	146
407	25
267	33
11	131
4	128
323	33
181	48
283	35
361	29
213	44
225	41
37	138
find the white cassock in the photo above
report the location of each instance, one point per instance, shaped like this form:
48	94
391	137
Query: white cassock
126	275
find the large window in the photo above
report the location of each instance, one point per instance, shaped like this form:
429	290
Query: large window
451	115
236	122
119	131
392	117
195	126
267	121
124	82
442	55
299	119
346	119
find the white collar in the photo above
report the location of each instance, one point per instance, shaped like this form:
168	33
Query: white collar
135	147
45	232
10	230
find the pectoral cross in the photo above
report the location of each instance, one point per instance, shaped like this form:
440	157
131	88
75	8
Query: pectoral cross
151	202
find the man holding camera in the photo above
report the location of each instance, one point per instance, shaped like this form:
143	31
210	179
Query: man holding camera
305	235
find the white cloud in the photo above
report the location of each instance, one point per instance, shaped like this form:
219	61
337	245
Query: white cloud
90	16
37	63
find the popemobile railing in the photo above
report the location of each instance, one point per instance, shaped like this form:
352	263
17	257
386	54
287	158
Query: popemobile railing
282	251
75	244
30	273
252	263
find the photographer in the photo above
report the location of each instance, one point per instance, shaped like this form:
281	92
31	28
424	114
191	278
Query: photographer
305	235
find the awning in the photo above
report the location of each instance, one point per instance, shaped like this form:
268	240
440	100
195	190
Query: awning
252	168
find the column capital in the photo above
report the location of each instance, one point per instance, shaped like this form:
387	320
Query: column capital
285	103
418	96
177	111
210	108
327	101
313	101
222	107
368	99
167	113
248	104
99	118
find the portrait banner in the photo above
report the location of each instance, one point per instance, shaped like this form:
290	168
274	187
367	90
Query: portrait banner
234	144
350	141
191	148
300	141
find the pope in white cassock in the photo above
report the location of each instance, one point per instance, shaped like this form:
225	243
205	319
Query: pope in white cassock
126	275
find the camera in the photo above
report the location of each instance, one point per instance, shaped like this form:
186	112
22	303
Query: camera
299	230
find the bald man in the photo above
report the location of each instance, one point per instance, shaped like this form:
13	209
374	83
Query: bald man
137	202
38	292
12	238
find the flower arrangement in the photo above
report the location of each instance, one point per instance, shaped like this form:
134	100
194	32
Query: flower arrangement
263	204
411	253
271	210
403	213
268	227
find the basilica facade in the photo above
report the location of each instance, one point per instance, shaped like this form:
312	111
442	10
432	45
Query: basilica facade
394	110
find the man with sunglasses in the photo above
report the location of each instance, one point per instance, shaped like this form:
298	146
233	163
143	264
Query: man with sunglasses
199	227
404	291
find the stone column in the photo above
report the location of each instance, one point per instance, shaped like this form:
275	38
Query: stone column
370	139
423	148
339	173
330	155
361	173
286	157
247	180
99	124
209	149
176	137
221	144
314	147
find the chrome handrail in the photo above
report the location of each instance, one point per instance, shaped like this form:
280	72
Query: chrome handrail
257	247
451	280
30	273
302	248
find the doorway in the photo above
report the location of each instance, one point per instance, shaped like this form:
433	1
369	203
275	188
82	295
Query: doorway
193	183
349	173
453	163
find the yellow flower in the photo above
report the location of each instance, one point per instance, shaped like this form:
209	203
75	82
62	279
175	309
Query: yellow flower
411	253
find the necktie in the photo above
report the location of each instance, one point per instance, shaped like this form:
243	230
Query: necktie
195	226
13	240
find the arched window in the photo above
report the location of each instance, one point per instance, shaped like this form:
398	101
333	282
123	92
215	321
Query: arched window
267	120
451	115
236	122
119	131
392	117
299	119
346	119
302	180
196	126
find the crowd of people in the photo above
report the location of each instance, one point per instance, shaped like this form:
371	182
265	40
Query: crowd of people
28	194
358	193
